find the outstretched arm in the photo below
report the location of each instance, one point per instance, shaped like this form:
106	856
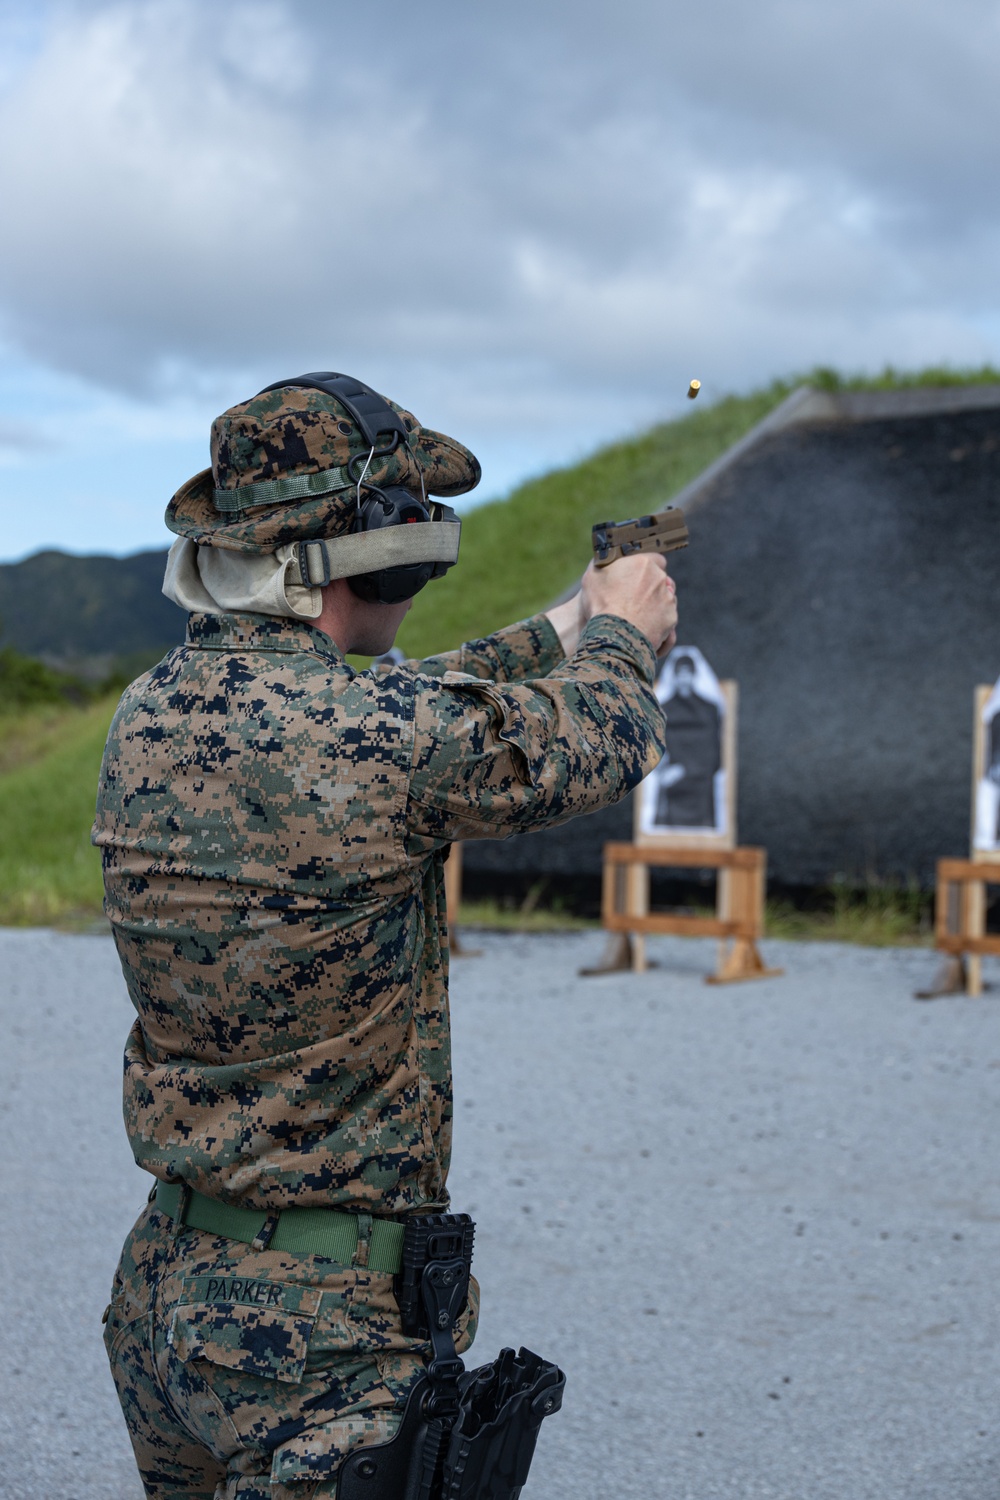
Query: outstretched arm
531	648
492	759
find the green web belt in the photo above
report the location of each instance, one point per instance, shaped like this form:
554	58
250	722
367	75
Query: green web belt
299	1231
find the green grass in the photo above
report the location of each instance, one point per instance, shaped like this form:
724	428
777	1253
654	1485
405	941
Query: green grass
49	873
29	734
891	379
540	910
875	916
872	916
493	916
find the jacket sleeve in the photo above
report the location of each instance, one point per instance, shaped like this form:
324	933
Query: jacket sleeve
528	649
493	759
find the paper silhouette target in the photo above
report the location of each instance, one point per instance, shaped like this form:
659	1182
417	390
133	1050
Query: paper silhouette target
986	829
687	797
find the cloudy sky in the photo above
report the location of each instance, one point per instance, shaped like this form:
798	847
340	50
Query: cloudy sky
530	222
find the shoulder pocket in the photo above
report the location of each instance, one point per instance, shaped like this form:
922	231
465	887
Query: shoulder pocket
509	725
256	1327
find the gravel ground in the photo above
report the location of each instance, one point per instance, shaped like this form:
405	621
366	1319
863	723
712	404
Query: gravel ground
756	1225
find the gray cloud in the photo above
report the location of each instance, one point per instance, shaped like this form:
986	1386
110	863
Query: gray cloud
23	438
542	218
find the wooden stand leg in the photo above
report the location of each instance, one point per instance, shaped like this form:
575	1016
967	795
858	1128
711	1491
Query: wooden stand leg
453	899
975	916
625	890
960	913
724	912
616	958
637	905
743	962
949	916
743	895
950	979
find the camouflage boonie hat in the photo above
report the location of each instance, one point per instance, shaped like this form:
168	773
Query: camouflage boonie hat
280	472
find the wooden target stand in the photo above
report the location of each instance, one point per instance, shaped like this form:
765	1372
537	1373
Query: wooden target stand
960	897
739	903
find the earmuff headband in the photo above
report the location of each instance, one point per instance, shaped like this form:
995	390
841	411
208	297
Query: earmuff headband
370	551
371	411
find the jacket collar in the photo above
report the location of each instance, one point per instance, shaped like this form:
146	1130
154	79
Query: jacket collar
247	632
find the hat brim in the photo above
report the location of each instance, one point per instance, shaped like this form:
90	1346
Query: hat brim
429	460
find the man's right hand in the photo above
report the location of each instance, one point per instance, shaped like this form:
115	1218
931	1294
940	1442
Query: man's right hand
638	589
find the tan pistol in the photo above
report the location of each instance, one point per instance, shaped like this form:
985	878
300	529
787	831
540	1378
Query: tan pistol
665	532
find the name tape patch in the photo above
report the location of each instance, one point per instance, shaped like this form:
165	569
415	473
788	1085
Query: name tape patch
250	1292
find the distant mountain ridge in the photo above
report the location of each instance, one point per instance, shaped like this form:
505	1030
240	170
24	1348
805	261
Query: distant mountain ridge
88	614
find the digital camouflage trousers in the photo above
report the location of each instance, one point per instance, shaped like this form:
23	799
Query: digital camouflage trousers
250	1375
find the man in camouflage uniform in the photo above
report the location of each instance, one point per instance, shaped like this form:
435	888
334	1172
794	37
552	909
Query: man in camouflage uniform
274	826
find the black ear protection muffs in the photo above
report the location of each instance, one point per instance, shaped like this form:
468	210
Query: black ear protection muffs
383	429
393	506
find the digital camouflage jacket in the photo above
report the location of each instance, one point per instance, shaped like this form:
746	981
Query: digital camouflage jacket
273	827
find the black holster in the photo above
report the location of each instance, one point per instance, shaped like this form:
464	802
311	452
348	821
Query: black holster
484	1455
465	1435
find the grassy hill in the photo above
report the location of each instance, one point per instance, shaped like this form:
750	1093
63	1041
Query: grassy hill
49	761
517	555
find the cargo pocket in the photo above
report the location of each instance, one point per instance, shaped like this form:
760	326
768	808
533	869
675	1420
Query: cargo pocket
259	1328
319	1453
118	1318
